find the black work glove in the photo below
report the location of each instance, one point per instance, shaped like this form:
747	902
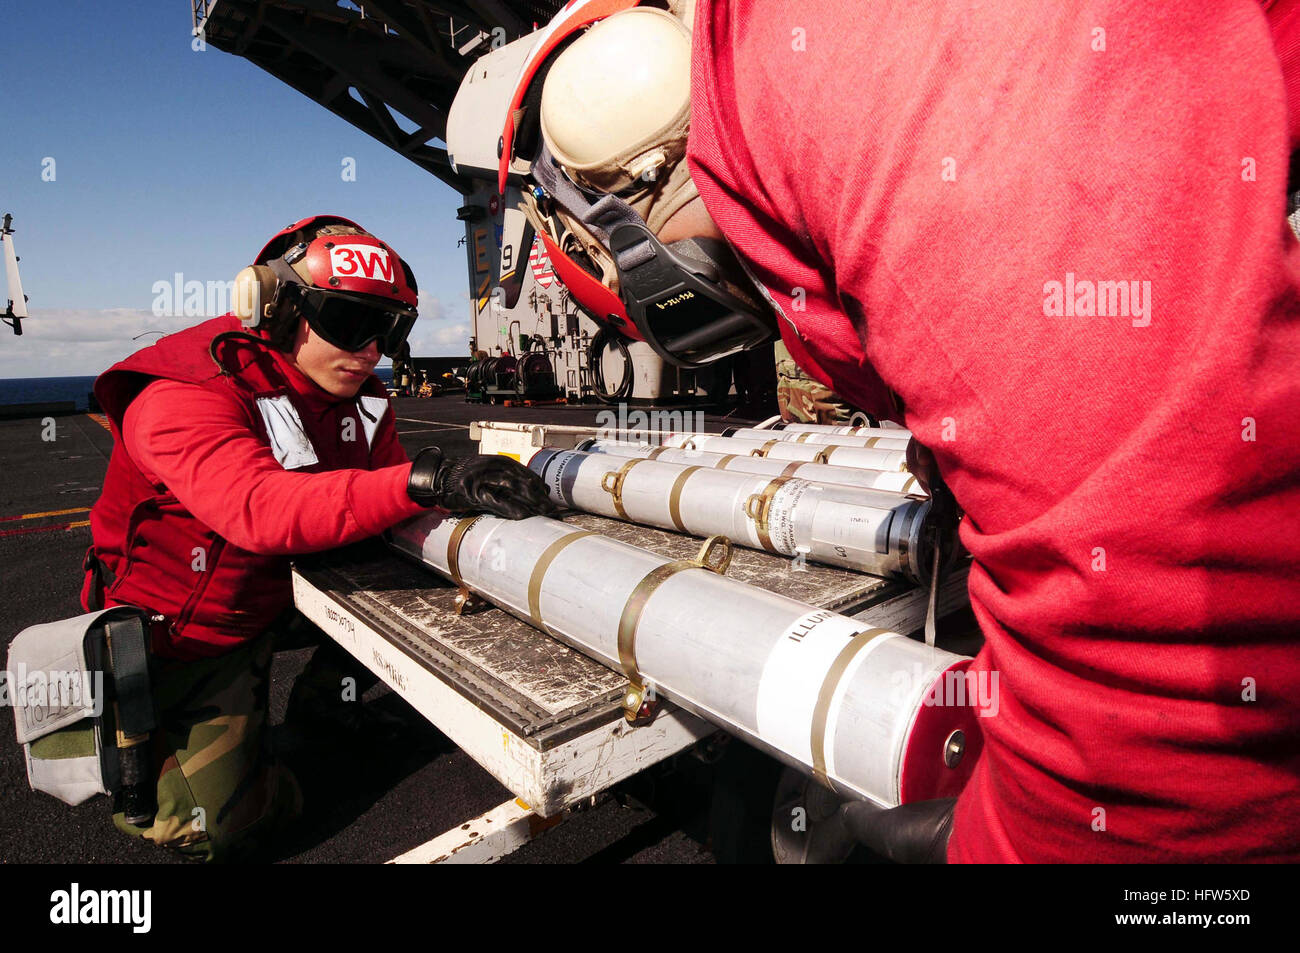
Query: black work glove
915	833
486	483
921	463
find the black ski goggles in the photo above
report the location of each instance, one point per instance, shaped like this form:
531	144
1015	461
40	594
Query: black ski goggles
679	302
350	322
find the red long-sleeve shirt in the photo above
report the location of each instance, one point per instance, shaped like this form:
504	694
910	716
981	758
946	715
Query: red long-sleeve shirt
198	443
943	192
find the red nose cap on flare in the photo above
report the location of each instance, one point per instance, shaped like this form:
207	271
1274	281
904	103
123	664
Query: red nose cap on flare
934	743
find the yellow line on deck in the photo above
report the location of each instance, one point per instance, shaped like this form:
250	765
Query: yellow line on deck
37	516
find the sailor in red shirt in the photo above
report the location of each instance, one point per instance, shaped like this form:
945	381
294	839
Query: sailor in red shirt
1056	233
240	443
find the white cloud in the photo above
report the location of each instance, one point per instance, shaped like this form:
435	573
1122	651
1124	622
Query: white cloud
71	342
434	340
432	337
430	308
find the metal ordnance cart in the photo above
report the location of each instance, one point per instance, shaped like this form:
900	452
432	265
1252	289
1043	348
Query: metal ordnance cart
544	720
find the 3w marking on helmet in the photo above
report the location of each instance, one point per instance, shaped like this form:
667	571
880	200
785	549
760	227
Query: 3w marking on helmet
368	261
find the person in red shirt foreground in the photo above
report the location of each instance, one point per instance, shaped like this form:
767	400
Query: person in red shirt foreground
241	443
1054	235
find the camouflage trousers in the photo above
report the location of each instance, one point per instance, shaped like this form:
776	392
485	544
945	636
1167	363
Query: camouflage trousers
803	399
221	793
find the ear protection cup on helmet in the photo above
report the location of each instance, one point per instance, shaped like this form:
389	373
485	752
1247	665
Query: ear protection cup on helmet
255	288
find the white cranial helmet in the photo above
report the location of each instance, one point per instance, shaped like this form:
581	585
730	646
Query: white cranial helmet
616	104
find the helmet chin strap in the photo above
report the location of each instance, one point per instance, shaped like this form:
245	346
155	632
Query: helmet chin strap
602	214
284	271
667	200
599	214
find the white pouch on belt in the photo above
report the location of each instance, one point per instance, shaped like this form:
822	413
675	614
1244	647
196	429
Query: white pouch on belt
57	683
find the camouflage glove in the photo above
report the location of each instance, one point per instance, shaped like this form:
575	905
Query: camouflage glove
915	833
486	483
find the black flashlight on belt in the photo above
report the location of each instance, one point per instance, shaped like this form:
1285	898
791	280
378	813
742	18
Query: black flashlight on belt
127	640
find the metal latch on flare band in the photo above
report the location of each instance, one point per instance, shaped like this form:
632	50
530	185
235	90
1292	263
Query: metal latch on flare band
759	509
466	601
715	556
612	483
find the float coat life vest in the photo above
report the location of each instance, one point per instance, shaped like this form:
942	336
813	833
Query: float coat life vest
151	551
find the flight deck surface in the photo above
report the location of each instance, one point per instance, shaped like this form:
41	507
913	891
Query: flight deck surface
363	804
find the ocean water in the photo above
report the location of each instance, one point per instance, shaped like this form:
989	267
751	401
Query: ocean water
36	390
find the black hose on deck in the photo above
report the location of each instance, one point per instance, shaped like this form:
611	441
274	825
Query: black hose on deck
594	349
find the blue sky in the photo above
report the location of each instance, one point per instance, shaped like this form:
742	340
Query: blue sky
169	160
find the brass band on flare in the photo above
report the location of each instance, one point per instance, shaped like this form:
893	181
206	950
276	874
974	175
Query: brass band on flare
675	499
636	603
763	506
453	548
827	693
539	573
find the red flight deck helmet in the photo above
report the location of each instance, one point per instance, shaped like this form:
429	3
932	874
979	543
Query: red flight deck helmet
351	287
